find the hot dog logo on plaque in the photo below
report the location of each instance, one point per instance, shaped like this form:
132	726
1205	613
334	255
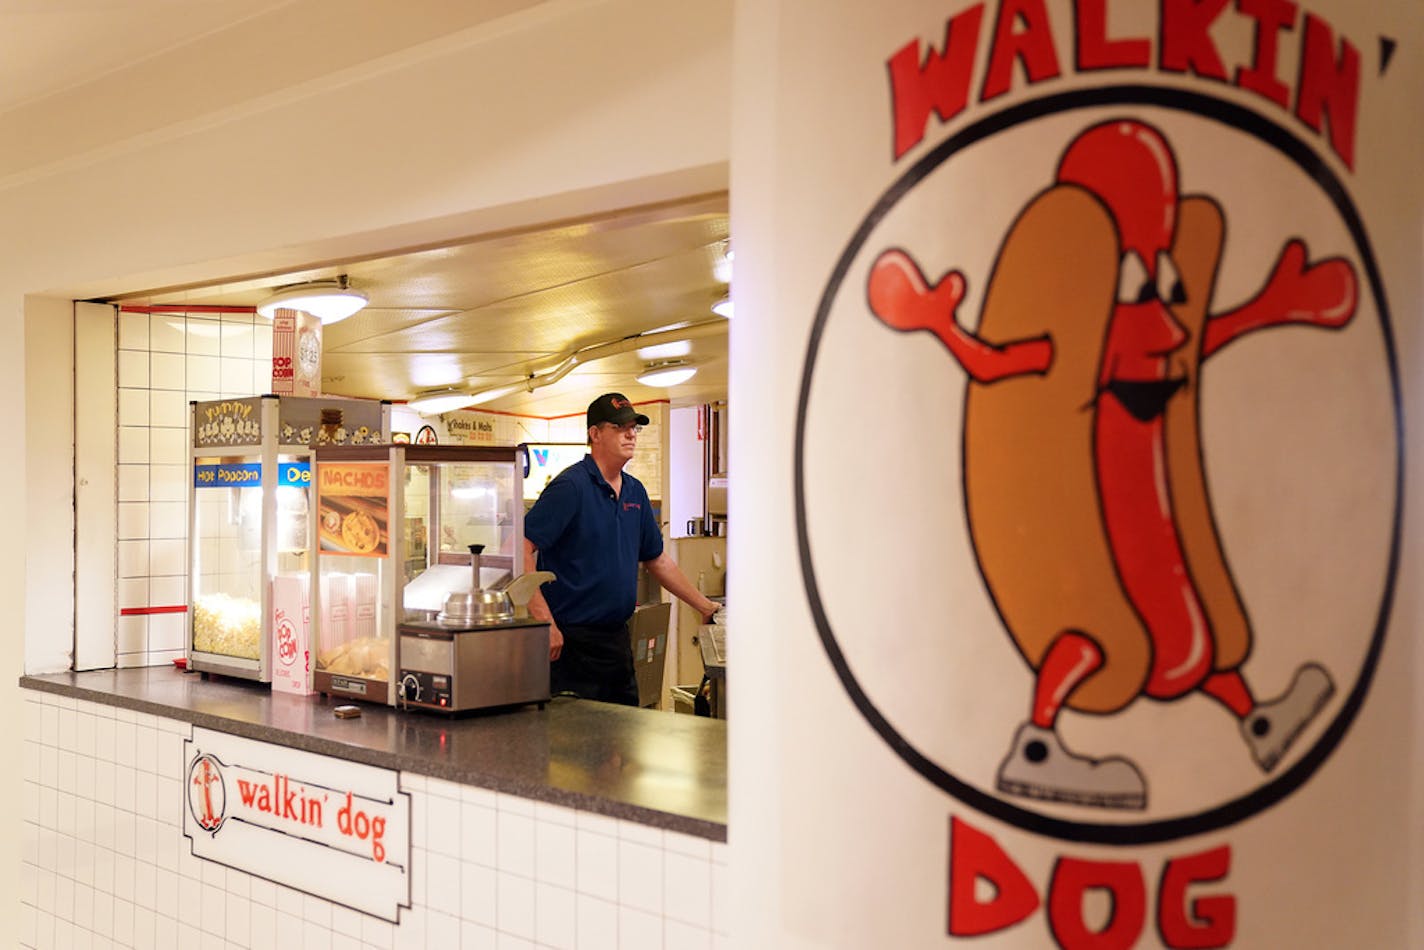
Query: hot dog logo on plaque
1098	468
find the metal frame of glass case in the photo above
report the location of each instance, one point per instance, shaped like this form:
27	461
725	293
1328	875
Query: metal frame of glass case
244	530
401	534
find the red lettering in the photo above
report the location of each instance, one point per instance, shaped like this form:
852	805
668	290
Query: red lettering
1034	46
1271	16
1072	878
974	855
1329	86
941	85
1182	922
1095	50
1187	45
1206	921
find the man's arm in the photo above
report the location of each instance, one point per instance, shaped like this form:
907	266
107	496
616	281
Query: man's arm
538	606
665	569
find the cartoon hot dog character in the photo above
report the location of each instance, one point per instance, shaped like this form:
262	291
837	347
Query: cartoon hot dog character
1083	476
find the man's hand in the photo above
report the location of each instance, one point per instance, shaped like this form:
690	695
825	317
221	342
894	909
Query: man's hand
556	641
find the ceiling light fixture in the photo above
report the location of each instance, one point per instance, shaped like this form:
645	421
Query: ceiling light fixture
433	402
328	300
723	308
490	395
667	373
666	351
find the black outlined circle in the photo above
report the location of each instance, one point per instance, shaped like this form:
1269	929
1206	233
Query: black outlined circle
212	786
1258	799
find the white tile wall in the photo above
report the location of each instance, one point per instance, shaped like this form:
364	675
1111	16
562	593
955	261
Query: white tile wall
165	361
104	862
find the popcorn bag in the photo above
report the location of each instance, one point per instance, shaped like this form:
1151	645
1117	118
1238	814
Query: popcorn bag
291	635
296	353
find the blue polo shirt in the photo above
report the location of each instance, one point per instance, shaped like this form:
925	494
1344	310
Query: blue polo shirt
592	542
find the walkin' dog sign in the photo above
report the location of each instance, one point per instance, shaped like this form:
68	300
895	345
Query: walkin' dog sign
1134	323
325	826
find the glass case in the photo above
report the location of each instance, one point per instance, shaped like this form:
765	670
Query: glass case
250	534
394	526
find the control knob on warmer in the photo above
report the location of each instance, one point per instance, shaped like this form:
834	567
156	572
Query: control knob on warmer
410	688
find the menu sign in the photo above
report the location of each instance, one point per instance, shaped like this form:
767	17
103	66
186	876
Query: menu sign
353	504
324	826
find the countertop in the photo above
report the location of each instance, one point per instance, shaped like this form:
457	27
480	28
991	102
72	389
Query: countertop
657	768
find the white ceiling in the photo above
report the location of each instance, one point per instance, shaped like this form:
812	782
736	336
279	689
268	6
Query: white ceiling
500	309
47	46
485	312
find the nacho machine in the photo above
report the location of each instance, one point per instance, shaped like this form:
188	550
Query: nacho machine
396	526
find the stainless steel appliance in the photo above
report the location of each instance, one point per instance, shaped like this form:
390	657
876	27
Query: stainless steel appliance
481	650
473	666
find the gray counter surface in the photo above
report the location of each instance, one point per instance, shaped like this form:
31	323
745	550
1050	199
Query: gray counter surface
660	769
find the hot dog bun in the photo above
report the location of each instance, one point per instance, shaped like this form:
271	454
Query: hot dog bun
1031	490
1197	251
1029	478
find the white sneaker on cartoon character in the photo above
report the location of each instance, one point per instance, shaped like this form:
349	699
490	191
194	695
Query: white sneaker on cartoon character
1271	727
1040	766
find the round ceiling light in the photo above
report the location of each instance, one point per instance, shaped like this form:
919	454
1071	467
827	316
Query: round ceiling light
327	300
669	373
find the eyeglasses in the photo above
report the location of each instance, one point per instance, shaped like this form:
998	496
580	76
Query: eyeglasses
632	427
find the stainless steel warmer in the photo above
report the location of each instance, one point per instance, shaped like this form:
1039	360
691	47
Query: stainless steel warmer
478	652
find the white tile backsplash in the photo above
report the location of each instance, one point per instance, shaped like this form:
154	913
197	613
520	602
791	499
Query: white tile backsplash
555	855
165	360
168	591
133	369
133	444
236	376
516	843
238	338
166	333
133	407
167	556
133	330
170	409
168	446
515	900
104	858
167	371
597	865
133	483
204	374
204	335
168	482
168	520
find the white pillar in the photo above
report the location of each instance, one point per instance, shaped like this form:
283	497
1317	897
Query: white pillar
1119	620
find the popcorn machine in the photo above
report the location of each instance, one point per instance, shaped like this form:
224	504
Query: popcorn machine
395	527
249	532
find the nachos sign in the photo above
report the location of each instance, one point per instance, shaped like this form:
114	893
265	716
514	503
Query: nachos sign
1155	401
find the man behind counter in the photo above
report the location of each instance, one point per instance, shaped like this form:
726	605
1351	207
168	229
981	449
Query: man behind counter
591	526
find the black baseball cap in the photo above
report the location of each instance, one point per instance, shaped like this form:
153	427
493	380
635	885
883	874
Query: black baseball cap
614	408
